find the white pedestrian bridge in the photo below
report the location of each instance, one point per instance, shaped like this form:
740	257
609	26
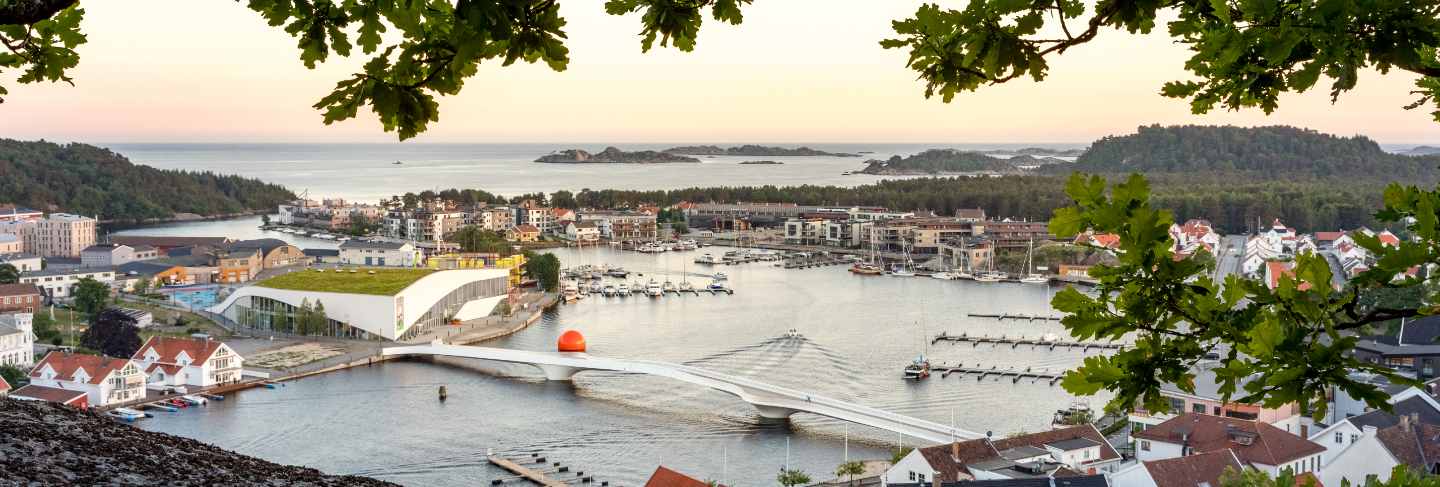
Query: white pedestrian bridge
772	401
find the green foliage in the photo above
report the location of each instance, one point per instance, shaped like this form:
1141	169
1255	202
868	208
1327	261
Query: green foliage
9	274
792	477
112	333
44	327
15	376
1292	337
311	319
544	268
898	454
1243	54
360	225
936	161
89	180
675	21
90	295
141	287
45	48
679	228
472	238
850	470
383	282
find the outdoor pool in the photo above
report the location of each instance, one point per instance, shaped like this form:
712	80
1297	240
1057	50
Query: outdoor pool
192	296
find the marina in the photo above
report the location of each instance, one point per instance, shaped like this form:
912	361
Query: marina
1047	341
1017	316
1015	374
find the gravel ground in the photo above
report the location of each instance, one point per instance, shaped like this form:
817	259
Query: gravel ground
43	444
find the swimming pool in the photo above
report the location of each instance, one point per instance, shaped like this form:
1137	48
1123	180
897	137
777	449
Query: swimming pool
193	296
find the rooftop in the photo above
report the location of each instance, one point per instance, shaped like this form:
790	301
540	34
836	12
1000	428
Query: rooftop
364	244
18	289
1253	441
1193	470
48	394
380	282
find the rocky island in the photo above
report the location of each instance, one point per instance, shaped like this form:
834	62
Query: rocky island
939	161
612	155
1036	151
753	150
46	444
762	162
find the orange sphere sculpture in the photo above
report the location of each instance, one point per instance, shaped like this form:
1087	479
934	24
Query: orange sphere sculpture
571	341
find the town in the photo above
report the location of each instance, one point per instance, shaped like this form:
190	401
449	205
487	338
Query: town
219	315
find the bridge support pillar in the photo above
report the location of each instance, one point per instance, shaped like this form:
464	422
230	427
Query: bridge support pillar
558	372
773	412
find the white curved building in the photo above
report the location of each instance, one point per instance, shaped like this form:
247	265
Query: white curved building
367	303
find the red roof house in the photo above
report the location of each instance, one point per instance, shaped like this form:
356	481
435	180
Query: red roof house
664	477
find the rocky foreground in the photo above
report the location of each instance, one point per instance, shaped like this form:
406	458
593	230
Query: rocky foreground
44	444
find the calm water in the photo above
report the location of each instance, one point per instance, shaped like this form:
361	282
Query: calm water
385	421
366	172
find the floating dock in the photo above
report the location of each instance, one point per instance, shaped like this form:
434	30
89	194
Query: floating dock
1033	342
538	473
524	472
1019	316
811	263
1014	374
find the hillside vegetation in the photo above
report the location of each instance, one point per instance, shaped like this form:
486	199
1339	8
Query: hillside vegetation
94	181
1276	152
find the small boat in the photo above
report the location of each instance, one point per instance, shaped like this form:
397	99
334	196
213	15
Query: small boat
686	287
571	292
609	290
212	397
989	277
1076	414
271	385
653	289
622	289
793	333
182	404
1035	279
162	406
944	276
902	272
866	270
194	400
706	259
918	368
617	272
716	286
668	287
127	414
720	276
596	287
397	163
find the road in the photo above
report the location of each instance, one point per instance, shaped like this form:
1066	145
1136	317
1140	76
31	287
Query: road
1228	257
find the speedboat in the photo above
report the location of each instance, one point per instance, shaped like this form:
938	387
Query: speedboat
716	286
944	276
617	272
596	287
127	414
918	368
720	276
1035	279
866	270
653	289
194	400
571	292
668	287
609	290
706	259
622	289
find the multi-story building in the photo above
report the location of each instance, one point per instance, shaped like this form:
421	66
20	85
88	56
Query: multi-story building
710	215
106	255
104	380
1006	234
274	253
237	265
1207	399
11	244
495	218
20	298
187	362
1256	443
22	261
422	225
805	231
17	339
536	216
60	234
621	225
583	232
59	283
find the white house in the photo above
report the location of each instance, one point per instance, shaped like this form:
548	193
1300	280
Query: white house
104	380
1078	449
1203	469
1378	450
582	231
379	254
1194	235
1340	436
17	340
187	362
1258	444
58	283
23	262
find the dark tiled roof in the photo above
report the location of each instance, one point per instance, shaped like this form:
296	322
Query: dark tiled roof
1072	444
265	245
1193	470
1414	405
1268	445
322	252
1045	437
163	241
949	461
48	394
1073	481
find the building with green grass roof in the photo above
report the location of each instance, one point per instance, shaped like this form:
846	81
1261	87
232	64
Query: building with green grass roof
368	303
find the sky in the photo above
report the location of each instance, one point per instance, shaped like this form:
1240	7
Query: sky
794	71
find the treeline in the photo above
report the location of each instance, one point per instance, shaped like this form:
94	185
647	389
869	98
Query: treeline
935	161
89	180
1277	152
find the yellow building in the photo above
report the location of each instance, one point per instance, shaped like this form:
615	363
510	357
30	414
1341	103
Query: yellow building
515	263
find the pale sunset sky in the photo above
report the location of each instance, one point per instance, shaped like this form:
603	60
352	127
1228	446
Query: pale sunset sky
795	71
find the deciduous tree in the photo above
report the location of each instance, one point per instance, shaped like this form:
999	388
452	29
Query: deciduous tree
112	333
9	274
90	295
544	268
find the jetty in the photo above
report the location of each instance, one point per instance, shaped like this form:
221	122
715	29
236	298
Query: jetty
524	472
1012	373
812	263
1017	316
1032	342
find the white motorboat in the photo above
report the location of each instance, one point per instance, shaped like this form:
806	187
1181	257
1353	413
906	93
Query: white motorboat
716	286
570	292
944	276
989	277
706	259
653	289
1035	279
622	289
608	291
902	272
686	287
194	400
127	414
596	287
668	287
720	276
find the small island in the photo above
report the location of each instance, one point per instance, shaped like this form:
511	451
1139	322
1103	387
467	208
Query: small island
937	162
1423	150
1036	151
612	155
753	151
762	162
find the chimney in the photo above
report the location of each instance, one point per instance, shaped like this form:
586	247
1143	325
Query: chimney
1405	423
935	479
1369	430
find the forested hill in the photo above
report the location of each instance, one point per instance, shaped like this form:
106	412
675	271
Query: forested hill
89	180
1276	152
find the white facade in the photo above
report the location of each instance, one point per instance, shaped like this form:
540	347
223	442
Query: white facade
222	365
1359	460
1150	450
582	232
17	340
909	470
389	317
379	254
22	262
126	383
1135	475
58	284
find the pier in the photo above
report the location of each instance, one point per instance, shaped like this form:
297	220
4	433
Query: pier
811	263
980	372
524	472
1018	316
1033	342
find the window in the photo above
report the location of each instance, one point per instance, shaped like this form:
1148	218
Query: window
1354	437
1198	408
1144	445
912	476
1339	437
